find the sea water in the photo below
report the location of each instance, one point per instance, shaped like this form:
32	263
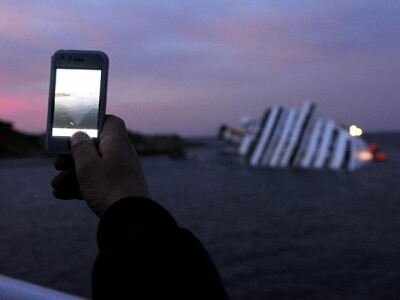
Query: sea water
279	234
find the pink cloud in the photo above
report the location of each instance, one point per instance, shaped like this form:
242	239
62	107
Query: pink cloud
256	39
18	26
26	111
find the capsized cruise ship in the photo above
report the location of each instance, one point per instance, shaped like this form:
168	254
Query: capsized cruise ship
290	138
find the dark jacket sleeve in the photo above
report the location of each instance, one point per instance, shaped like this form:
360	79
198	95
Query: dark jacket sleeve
144	254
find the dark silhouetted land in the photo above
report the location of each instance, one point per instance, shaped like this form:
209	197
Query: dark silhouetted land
14	143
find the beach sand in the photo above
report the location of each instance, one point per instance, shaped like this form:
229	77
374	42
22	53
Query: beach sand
278	234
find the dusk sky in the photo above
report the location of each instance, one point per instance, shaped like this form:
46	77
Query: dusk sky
187	66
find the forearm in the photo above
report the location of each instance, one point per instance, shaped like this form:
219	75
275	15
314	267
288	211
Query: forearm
144	254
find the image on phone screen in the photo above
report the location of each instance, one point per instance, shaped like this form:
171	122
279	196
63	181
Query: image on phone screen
76	102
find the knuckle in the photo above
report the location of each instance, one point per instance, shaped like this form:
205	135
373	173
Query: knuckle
80	144
117	121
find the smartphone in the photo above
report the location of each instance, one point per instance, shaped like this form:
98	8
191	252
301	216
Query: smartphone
77	97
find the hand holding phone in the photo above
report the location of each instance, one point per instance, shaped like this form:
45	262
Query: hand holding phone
101	176
77	97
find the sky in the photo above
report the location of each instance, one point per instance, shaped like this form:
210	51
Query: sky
187	66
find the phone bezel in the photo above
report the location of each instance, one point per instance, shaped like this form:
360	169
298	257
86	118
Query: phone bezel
75	59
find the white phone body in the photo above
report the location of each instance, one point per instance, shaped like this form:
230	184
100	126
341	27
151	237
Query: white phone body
77	97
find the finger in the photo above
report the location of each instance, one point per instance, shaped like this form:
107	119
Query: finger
113	126
114	133
66	183
64	195
63	162
64	180
83	151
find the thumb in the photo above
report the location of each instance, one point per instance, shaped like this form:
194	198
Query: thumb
83	150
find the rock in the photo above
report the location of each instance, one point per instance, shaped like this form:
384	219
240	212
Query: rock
171	145
17	144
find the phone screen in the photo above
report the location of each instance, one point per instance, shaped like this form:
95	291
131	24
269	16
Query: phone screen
76	102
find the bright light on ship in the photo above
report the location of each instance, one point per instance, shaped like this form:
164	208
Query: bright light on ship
355	131
365	155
